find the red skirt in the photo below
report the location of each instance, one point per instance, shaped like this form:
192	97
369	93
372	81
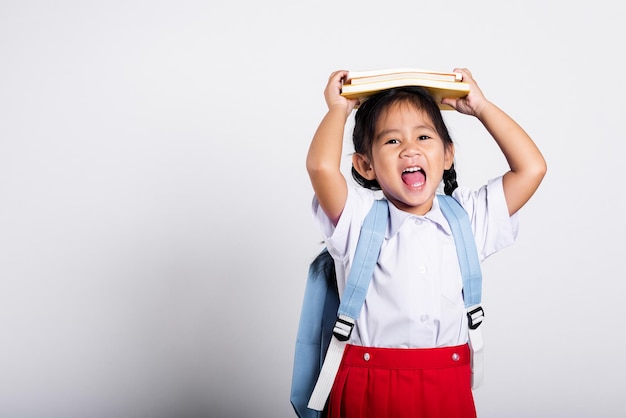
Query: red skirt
403	383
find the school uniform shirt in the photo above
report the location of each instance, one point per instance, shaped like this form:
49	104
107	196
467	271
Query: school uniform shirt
415	297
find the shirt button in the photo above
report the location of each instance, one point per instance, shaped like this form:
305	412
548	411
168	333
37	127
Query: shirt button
366	356
424	318
422	269
455	357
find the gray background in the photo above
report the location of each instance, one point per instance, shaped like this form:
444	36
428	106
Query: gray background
155	225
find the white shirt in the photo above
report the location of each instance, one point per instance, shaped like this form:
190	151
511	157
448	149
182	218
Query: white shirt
414	299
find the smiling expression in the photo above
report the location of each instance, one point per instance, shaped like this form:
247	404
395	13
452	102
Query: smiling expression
408	158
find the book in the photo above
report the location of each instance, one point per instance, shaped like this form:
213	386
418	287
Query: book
359	77
399	76
438	88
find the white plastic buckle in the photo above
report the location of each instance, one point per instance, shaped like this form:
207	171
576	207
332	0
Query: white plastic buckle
475	316
343	328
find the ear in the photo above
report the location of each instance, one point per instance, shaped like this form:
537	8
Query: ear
449	156
362	165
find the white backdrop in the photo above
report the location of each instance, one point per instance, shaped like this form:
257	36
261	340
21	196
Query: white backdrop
155	225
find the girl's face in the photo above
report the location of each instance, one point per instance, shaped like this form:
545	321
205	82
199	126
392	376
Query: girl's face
408	158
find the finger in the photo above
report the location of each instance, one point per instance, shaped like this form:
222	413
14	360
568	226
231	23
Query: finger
465	73
338	75
449	101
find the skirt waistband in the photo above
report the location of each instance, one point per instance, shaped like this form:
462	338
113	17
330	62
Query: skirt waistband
406	358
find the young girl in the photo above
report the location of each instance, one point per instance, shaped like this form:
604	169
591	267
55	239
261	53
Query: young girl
408	355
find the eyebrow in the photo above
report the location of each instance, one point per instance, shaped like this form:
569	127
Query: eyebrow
394	130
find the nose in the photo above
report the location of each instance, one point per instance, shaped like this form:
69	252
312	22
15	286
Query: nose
411	149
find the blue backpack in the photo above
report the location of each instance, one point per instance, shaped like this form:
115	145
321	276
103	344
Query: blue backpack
326	322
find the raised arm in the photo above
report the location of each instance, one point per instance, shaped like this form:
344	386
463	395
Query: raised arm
323	161
527	165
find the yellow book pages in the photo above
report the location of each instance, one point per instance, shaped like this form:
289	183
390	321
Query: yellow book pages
393	72
399	76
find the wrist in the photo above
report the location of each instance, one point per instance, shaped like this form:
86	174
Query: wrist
339	109
483	109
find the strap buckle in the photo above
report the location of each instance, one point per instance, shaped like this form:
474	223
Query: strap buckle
475	317
343	328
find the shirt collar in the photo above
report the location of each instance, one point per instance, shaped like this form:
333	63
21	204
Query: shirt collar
398	217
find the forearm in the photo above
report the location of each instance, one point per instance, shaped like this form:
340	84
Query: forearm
324	156
518	148
527	165
324	163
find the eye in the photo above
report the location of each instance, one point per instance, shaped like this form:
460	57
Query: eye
392	141
423	137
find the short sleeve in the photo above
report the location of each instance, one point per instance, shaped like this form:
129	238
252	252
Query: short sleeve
341	239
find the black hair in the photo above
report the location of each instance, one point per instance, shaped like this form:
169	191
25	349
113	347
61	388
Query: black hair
369	112
325	265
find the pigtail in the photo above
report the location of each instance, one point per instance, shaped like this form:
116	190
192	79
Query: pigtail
363	182
449	180
325	265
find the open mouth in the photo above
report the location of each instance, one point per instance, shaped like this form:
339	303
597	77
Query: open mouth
414	176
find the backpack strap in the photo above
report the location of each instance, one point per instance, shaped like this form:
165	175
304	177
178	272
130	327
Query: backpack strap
365	259
465	248
472	279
